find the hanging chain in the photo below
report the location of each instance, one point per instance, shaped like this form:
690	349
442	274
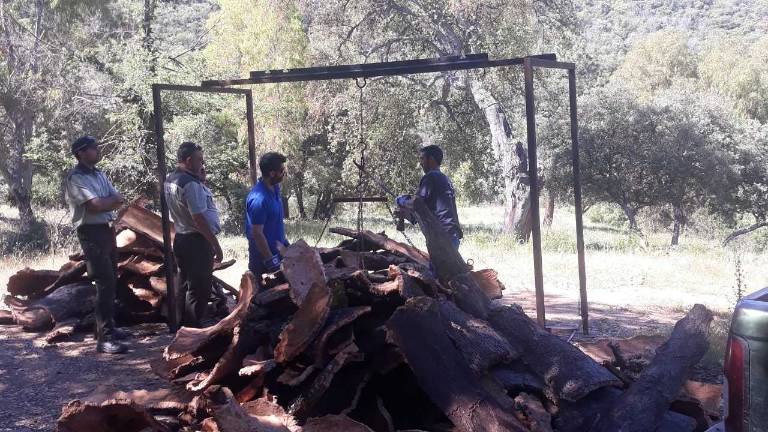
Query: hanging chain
361	173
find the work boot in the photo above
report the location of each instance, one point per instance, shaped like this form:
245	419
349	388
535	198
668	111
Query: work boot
111	347
119	334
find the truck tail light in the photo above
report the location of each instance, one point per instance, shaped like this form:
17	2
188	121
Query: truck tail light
736	384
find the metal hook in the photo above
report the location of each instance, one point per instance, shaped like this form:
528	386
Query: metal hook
358	81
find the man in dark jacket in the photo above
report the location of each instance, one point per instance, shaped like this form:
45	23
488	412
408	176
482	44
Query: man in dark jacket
436	190
196	221
92	199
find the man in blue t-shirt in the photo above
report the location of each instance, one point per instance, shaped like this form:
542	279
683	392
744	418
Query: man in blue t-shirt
264	225
436	190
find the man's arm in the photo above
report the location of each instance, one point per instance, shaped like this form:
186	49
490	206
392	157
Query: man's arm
81	194
197	203
101	205
202	227
257	234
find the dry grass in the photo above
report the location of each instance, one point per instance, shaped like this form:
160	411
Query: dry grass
620	272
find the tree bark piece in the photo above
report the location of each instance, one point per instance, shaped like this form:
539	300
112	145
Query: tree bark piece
223	265
163	399
144	222
140	265
72	275
710	395
302	407
63	330
252	366
302	267
230	416
28	282
305	324
227	364
129	241
70	301
384	242
402	285
337	319
517	377
109	416
192	340
533	413
488	281
418	329
569	373
469	297
265	409
6	317
643	405
334	423
481	346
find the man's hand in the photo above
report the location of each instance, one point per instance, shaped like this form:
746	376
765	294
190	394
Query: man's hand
403	200
272	264
218	254
119	199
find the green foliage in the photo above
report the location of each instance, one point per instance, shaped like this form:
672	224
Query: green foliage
746	83
655	62
606	215
656	128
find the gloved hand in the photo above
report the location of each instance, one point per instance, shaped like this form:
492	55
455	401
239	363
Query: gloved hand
402	200
272	264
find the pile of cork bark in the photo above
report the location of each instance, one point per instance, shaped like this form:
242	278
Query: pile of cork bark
62	301
365	337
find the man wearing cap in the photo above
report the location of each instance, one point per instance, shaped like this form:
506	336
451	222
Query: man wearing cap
264	225
196	221
92	199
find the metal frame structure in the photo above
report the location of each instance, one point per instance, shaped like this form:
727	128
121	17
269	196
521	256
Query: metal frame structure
162	170
441	64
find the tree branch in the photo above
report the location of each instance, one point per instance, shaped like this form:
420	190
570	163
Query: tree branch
742	231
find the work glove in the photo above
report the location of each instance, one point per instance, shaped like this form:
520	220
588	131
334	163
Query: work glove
402	200
272	264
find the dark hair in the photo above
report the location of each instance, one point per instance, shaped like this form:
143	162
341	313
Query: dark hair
433	151
83	143
270	162
186	149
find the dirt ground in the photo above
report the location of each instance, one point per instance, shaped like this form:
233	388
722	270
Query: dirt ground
37	381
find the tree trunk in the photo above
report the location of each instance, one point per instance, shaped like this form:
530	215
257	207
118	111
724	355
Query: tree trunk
549	210
631	214
20	172
679	218
514	164
286	207
642	407
299	189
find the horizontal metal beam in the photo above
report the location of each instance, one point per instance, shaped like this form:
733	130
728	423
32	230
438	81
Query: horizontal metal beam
551	64
198	89
368	70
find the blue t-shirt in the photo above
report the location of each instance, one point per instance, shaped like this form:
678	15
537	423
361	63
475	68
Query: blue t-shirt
264	207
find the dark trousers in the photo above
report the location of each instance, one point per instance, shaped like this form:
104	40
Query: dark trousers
194	256
100	250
